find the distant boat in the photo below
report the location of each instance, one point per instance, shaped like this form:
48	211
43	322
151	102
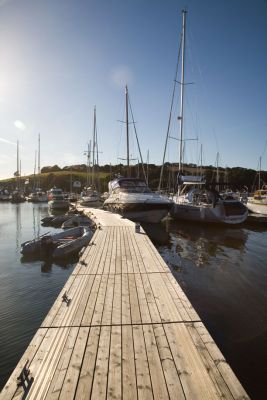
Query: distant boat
89	198
56	199
17	197
4	195
58	245
193	201
38	196
258	202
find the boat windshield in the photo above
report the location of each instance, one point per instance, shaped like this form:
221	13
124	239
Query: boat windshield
133	186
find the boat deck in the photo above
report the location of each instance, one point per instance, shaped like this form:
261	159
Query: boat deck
122	328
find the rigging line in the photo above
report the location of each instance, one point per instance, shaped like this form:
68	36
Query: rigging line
133	122
170	115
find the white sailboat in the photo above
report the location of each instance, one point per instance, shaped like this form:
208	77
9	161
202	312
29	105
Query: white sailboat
131	197
38	195
17	196
258	202
90	197
193	201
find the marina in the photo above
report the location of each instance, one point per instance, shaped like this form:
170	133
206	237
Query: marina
181	261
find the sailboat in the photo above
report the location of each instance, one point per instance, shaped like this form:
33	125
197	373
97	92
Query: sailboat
193	201
17	196
38	195
258	202
131	197
90	197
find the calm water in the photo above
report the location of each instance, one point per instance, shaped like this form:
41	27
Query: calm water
222	270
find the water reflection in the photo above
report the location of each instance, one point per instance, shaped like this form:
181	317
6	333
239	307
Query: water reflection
18	224
203	243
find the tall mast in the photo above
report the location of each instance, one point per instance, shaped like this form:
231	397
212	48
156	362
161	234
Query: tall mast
127	131
39	169
181	117
94	145
18	169
260	174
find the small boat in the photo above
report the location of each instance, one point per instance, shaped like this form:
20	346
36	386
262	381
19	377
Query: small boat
38	196
56	221
89	198
76	220
58	245
257	203
56	199
4	195
17	197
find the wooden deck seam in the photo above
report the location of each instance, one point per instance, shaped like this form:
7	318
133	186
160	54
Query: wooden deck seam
124	324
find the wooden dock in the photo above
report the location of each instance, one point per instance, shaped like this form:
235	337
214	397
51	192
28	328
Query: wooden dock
122	328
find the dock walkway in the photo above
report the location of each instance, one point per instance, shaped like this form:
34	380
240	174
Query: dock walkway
122	328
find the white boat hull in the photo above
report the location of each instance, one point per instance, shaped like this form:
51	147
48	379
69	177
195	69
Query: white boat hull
257	207
223	213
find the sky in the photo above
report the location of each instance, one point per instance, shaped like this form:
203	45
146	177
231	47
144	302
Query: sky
61	58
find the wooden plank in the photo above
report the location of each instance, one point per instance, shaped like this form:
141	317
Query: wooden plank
177	301
125	300
134	303
147	254
10	387
46	360
151	302
90	307
84	298
228	375
99	389
118	260
117	300
166	307
131	262
139	266
129	389
93	260
209	363
174	386
85	382
62	367
89	253
100	301
156	374
115	365
156	259
144	309
108	302
112	259
183	298
66	312
72	376
144	386
194	377
58	303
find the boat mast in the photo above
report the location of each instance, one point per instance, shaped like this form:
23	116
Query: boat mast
94	145
39	169
181	116
127	130
260	174
18	169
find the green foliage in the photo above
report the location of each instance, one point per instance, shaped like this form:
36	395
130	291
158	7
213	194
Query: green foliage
235	178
